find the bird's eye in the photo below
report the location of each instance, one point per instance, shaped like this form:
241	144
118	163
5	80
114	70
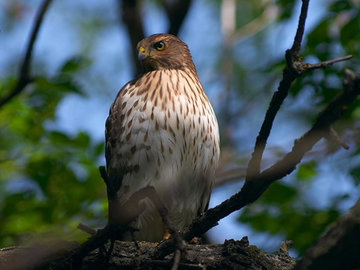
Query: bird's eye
159	45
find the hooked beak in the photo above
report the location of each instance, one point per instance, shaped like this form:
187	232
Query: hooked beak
142	54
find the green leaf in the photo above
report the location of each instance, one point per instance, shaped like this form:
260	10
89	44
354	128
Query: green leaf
279	193
306	171
74	64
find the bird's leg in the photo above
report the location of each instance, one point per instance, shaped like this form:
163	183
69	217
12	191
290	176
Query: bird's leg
196	241
166	234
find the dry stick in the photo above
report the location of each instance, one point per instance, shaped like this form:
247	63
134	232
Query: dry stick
24	76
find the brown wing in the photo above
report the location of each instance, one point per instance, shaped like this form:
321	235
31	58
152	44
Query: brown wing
113	129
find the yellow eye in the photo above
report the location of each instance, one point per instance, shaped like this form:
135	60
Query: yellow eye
159	45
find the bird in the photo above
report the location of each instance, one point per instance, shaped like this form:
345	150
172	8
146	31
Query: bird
162	132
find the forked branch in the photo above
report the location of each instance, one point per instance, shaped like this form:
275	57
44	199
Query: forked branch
294	68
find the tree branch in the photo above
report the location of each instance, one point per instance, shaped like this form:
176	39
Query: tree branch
289	75
24	77
176	12
294	68
253	189
301	28
324	64
130	13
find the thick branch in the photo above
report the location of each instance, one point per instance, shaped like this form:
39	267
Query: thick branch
128	255
130	13
24	71
176	12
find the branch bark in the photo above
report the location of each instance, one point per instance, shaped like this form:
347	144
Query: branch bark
176	12
24	77
130	13
127	255
290	73
294	68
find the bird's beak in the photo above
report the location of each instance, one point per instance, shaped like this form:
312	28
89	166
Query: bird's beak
142	54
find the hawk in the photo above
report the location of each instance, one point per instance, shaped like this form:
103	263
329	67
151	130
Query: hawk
163	130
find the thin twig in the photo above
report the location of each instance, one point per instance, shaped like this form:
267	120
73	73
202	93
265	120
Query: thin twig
310	67
24	71
86	229
332	136
301	27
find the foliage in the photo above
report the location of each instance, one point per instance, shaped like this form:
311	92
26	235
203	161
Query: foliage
50	179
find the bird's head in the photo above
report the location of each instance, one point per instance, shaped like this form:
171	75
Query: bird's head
164	51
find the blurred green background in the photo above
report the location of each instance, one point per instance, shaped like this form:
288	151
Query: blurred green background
51	135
